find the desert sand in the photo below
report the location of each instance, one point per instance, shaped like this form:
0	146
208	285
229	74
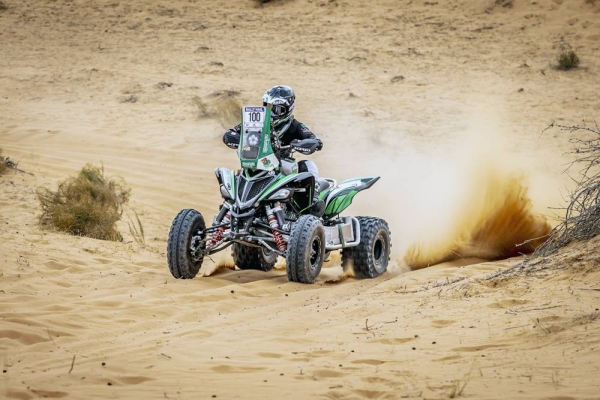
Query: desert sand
446	100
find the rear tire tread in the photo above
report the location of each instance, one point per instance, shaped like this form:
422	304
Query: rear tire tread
360	258
247	257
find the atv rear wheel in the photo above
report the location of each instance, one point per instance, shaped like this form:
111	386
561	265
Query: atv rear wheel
370	258
247	257
306	250
186	231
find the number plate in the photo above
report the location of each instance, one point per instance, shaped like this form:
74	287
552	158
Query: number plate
254	117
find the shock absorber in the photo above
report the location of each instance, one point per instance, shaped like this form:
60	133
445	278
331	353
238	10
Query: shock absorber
275	225
279	214
218	235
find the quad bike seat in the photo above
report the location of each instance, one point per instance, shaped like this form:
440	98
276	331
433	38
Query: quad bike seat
323	184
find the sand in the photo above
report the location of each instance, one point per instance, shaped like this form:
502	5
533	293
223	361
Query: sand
425	94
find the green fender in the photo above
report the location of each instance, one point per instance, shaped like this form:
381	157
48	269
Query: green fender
339	198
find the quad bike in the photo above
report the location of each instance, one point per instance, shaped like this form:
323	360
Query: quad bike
270	210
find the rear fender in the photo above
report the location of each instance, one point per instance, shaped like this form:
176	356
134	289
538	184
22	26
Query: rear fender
340	197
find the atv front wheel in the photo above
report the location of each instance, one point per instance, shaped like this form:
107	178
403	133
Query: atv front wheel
370	258
184	236
306	250
247	257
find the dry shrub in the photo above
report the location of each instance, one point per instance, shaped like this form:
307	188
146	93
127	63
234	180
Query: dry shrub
3	6
582	216
86	205
567	60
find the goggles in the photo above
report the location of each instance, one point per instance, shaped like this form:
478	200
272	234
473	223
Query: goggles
277	110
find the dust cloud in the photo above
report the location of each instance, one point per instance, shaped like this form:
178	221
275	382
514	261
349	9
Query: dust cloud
468	198
495	219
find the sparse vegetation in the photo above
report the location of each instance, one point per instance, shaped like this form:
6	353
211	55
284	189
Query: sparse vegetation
582	217
567	60
137	229
498	3
504	3
3	6
460	384
6	163
86	205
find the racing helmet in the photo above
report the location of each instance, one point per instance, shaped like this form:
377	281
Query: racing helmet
281	100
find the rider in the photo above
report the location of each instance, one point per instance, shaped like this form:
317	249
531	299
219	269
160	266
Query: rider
281	100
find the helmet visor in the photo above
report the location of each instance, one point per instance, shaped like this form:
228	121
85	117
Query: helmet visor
278	110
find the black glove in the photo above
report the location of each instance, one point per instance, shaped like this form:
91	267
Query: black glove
320	145
231	139
295	145
306	146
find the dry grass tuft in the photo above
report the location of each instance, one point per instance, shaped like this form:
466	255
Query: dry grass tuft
137	229
492	4
504	3
86	205
567	60
3	6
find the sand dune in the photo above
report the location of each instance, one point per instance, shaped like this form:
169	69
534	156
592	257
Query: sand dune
391	87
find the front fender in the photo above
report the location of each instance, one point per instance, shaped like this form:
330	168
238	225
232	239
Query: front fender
226	178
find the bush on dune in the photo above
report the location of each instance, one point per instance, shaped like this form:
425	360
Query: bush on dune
86	205
567	60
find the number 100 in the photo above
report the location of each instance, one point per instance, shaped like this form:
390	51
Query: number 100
254	116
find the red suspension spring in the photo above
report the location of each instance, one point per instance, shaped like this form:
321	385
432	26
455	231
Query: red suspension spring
278	236
218	235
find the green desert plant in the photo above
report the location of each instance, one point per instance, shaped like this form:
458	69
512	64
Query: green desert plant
567	60
88	204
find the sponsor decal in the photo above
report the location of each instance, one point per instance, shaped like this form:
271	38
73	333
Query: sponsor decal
266	162
253	139
247	164
254	109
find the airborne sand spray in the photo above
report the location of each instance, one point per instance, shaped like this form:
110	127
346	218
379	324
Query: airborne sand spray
494	220
465	197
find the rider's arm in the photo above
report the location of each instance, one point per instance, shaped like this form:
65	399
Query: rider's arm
232	137
302	132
